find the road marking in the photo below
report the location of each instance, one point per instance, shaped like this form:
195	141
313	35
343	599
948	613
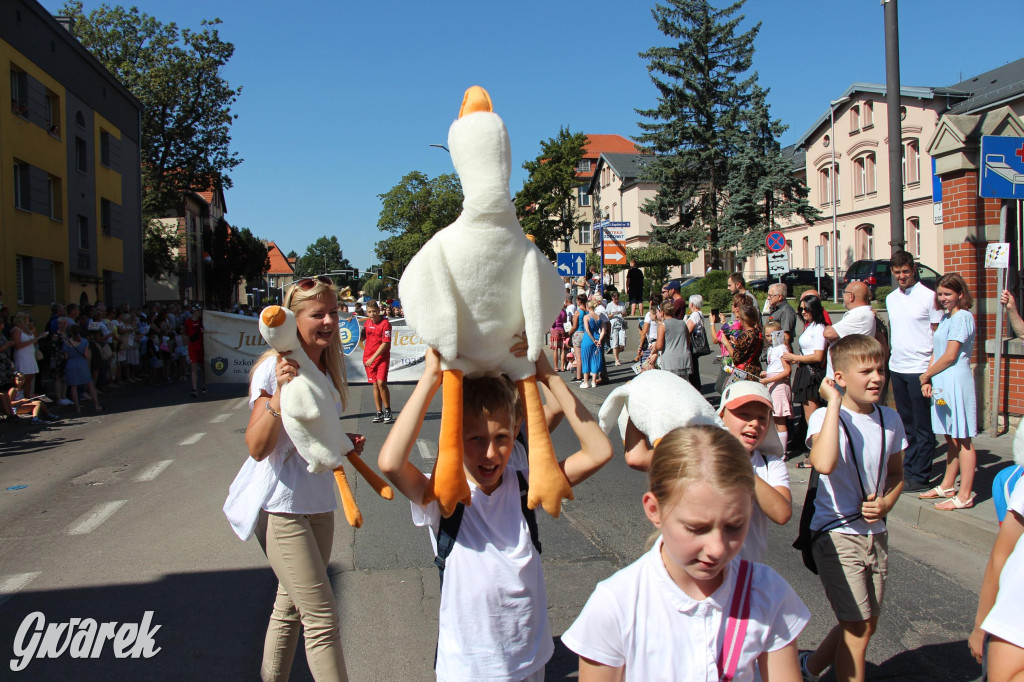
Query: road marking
243	403
153	471
193	439
10	584
220	418
91	520
425	451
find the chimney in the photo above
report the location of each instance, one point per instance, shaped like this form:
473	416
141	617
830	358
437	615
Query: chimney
67	22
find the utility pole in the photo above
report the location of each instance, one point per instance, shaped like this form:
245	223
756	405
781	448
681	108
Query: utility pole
892	103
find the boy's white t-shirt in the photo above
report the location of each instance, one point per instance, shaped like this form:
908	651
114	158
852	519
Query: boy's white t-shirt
1004	619
772	470
839	493
639	618
775	354
493	622
297	491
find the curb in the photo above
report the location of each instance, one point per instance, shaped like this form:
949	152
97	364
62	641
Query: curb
920	514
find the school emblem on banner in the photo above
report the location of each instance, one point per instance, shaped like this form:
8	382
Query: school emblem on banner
219	365
349	330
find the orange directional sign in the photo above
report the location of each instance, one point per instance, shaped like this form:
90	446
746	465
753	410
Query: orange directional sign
614	253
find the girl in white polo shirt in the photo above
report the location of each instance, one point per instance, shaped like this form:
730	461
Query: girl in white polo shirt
690	609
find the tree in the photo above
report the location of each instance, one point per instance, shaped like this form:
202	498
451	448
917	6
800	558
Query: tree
761	187
291	254
696	127
186	103
323	255
547	203
235	255
159	243
413	211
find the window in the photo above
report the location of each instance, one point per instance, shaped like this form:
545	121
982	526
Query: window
584	166
825	181
824	241
80	120
83	232
21	187
865	242
105	215
911	171
81	158
864	175
868	119
105	148
51	112
913	236
855	119
686	269
53	197
584	197
805	251
585	233
19	93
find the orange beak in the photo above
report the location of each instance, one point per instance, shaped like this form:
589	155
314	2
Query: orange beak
476	99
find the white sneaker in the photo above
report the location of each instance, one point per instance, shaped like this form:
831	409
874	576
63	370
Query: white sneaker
584	385
64	401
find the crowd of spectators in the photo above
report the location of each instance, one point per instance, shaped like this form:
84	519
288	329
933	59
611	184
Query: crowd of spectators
84	351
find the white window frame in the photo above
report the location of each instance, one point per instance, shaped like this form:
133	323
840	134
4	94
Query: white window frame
586	234
917	159
584	198
584	167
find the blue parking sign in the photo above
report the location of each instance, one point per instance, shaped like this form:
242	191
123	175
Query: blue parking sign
572	264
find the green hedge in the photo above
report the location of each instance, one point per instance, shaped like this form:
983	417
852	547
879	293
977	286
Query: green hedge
882	292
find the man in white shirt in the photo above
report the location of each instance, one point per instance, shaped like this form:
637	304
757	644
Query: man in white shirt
859	318
912	319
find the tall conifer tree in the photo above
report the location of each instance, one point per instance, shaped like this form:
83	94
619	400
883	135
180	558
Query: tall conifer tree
704	84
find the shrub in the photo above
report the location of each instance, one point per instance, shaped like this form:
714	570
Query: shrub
720	299
882	292
800	289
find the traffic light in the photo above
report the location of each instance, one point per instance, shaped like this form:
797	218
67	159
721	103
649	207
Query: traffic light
355	273
380	273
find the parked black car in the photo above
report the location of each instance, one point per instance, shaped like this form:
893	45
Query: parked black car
877	273
795	278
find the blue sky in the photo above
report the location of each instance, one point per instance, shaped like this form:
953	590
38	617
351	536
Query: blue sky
341	99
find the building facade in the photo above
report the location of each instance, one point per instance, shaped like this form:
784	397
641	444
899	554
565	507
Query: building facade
70	213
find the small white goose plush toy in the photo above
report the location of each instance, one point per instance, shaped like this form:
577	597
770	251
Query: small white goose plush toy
308	402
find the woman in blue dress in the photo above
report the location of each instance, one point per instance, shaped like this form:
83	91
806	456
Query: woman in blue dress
590	349
76	367
949	383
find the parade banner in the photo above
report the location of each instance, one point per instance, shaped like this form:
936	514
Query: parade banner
233	343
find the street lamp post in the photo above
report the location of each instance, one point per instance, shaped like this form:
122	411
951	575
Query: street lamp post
832	195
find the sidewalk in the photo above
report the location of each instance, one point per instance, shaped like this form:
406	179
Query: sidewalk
976	527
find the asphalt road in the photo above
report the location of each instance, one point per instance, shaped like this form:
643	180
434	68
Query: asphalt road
122	515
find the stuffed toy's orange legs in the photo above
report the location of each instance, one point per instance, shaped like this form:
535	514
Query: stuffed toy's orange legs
548	485
448	483
375	481
348	500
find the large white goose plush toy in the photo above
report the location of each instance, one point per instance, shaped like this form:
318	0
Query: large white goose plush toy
309	414
656	402
476	286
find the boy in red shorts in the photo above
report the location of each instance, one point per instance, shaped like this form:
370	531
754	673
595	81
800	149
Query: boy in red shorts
376	358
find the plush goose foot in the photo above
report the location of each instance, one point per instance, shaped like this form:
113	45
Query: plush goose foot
348	500
548	485
448	483
375	481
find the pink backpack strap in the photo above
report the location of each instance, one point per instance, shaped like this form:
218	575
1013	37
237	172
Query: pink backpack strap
736	626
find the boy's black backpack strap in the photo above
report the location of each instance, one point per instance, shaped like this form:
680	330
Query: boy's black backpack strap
529	514
447	531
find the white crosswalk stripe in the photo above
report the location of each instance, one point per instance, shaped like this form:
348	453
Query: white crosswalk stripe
91	520
151	472
10	584
220	418
193	439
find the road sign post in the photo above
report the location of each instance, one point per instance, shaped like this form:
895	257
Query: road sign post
571	264
613	250
776	242
778	263
819	266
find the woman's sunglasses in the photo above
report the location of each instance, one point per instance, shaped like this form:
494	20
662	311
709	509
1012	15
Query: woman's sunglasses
309	282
